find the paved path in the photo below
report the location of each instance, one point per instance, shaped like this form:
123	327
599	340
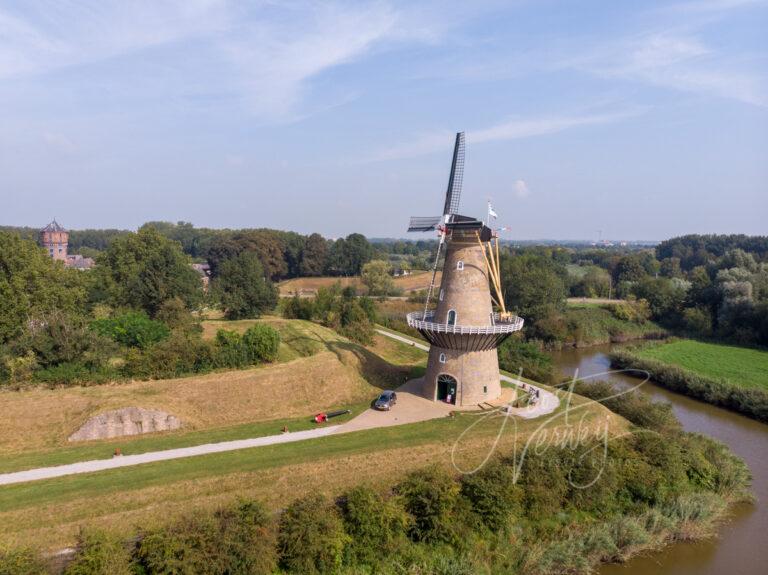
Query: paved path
128	460
410	408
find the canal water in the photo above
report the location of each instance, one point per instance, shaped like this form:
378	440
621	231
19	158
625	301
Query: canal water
741	547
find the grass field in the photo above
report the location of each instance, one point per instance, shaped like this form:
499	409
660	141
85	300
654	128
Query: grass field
50	512
414	282
740	366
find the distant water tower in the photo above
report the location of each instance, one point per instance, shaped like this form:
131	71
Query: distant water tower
55	239
464	330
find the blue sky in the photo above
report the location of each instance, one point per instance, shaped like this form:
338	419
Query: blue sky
641	119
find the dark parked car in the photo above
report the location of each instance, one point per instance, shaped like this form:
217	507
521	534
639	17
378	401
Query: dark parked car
386	400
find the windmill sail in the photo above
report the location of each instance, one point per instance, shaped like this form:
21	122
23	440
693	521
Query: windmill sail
456	179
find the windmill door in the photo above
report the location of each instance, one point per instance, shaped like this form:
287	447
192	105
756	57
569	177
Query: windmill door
446	388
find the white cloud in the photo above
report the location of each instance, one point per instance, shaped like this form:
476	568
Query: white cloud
42	35
681	63
514	129
276	60
521	189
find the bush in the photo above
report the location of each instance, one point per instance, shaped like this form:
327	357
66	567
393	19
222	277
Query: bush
634	406
75	374
493	494
261	343
311	538
375	525
297	308
430	496
515	355
233	540
181	354
133	329
99	553
21	561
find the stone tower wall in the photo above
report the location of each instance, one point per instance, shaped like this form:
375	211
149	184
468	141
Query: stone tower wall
466	291
55	243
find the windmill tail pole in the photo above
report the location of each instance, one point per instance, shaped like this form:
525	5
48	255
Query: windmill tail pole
434	273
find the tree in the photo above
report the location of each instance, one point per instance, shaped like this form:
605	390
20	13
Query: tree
377	278
145	269
347	256
32	284
266	244
242	287
313	256
629	269
532	286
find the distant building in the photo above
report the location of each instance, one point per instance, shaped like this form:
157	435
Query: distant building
55	239
400	272
205	273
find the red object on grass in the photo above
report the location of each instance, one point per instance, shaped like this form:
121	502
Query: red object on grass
321	418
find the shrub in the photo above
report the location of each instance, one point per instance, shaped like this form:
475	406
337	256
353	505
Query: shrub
430	496
232	540
297	308
75	373
634	406
544	481
311	538
99	553
515	354
230	350
375	525
133	329
181	354
493	494
261	343
21	561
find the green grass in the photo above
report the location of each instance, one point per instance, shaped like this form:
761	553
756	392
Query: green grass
161	441
60	490
738	365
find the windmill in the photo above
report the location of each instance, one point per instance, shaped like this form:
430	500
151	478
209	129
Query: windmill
464	329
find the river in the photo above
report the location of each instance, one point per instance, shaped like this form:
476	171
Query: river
741	547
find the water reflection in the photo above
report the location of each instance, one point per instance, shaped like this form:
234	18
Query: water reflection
741	544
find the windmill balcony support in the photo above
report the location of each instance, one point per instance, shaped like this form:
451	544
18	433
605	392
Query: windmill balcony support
464	337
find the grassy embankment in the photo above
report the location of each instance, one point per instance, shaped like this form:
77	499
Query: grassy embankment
724	375
318	371
50	512
309	285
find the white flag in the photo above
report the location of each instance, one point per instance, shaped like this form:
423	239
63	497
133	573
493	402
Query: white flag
491	212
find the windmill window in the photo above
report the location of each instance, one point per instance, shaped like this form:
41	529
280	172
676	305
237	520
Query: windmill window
451	317
442	358
460	265
442	293
485	389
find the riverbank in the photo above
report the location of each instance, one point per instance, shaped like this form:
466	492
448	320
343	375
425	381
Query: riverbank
739	544
726	376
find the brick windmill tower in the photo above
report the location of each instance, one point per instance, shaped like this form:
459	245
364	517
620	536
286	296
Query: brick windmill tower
464	329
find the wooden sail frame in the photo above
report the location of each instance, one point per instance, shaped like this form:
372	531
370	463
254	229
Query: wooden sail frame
492	266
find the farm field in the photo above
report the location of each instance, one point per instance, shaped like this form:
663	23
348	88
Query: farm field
740	366
309	285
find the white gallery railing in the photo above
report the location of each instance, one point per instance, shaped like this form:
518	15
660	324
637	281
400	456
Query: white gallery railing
423	321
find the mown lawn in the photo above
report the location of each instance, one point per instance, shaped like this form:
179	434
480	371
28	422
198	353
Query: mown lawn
738	365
